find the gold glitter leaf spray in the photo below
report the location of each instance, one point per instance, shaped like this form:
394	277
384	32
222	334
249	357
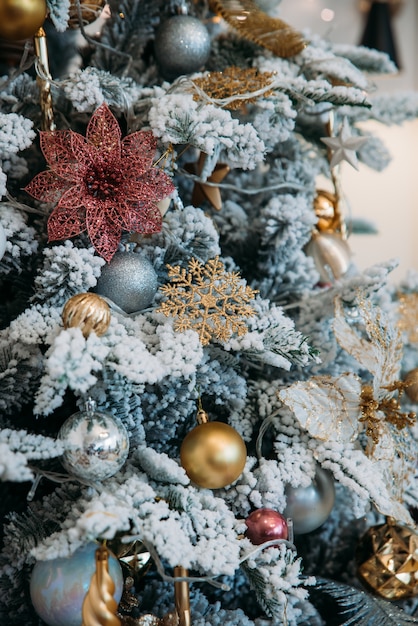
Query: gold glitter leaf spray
245	17
99	606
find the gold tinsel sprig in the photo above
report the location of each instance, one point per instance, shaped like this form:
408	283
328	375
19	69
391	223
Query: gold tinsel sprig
408	315
234	86
390	407
251	23
207	299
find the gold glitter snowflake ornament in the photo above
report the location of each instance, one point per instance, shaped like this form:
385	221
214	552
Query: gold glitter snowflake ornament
207	299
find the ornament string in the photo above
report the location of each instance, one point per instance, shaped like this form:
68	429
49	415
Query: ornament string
268	544
25	63
265	424
39	474
248	192
99	44
171	579
187	85
44	81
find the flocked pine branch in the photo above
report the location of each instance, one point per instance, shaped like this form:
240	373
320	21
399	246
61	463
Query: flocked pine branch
358	608
125	35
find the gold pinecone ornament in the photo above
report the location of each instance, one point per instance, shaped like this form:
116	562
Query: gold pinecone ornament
387	558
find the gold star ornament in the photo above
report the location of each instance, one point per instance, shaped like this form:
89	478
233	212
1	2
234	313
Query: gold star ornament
207	189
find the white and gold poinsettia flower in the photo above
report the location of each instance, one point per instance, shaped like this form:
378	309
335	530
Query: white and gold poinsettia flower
343	409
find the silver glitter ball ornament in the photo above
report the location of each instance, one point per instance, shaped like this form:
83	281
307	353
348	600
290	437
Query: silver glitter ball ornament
309	507
96	444
181	46
129	280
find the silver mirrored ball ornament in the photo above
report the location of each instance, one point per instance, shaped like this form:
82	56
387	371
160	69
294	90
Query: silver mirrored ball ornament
181	46
129	280
309	507
96	444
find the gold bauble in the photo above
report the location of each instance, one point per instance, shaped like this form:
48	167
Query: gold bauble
387	558
325	205
21	19
331	254
89	312
90	11
412	389
213	455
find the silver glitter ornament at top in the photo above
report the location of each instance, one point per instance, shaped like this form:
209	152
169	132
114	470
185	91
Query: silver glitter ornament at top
309	507
96	444
181	46
129	280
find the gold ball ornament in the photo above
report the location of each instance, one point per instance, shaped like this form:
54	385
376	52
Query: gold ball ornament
90	11
87	311
387	558
21	19
412	389
213	455
325	205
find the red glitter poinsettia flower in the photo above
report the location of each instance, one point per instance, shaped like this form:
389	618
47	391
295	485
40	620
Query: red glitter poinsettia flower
100	183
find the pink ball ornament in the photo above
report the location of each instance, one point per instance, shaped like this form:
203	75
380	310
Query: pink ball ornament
265	525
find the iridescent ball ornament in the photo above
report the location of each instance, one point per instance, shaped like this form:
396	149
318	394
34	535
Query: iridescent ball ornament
181	46
387	558
21	19
96	444
129	280
265	525
213	455
309	507
58	586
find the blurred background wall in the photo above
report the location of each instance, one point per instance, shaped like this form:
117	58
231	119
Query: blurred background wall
388	199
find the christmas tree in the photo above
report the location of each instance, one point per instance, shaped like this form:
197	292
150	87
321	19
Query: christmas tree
207	411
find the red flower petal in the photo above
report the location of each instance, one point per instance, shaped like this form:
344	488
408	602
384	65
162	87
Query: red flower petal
74	198
47	187
144	219
104	230
138	149
66	153
151	187
103	184
103	131
64	223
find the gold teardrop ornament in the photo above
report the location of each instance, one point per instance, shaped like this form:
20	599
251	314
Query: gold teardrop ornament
99	606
